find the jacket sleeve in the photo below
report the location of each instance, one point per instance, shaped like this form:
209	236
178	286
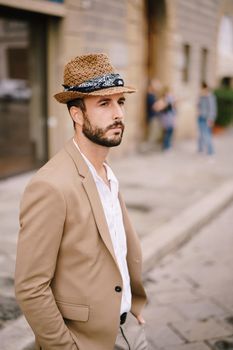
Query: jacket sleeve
42	217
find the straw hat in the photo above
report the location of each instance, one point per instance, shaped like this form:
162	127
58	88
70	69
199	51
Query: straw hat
93	75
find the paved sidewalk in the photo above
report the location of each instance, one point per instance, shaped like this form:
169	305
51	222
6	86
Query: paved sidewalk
190	292
162	190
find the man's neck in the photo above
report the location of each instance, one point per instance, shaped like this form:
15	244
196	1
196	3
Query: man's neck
96	154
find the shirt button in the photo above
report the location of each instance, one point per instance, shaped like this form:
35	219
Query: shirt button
118	289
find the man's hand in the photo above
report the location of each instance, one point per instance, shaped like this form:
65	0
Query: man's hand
140	319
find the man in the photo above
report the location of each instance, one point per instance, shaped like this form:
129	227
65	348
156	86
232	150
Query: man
207	111
78	267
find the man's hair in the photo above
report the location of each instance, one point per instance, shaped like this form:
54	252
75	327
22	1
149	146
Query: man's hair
78	102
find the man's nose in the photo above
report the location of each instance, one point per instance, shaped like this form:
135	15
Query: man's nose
118	113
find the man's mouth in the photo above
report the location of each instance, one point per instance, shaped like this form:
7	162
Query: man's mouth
116	127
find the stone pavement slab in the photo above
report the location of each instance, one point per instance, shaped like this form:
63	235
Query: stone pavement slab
200	330
17	335
159	315
223	343
201	309
163	337
171	296
193	346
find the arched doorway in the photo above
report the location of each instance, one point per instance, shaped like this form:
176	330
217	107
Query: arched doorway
157	41
156	17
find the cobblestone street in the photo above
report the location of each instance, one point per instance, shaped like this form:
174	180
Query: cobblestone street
191	292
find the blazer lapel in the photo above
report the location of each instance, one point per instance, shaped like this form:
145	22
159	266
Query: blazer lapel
97	208
93	195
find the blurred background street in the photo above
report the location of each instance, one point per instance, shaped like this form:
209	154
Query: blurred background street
179	199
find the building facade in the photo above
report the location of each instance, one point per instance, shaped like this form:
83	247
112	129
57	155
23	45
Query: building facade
179	42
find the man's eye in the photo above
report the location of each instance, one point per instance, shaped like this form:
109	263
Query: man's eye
104	104
121	103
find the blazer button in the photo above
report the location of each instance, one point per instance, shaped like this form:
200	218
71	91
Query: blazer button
118	289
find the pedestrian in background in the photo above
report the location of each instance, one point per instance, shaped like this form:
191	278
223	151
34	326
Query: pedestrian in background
153	91
78	266
207	111
166	107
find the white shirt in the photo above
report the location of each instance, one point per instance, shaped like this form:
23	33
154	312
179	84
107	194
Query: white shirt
113	214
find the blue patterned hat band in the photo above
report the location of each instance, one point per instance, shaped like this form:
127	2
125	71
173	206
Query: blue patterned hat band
98	83
91	75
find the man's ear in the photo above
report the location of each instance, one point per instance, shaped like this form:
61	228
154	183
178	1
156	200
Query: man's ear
76	115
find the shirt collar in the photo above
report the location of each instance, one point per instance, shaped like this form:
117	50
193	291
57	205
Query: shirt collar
110	175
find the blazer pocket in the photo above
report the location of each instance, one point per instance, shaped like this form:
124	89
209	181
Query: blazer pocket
73	312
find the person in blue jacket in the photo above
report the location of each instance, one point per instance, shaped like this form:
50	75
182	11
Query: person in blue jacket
207	111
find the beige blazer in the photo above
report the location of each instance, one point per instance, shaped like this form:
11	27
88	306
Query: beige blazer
66	272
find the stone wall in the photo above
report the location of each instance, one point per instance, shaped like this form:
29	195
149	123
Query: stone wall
141	45
196	27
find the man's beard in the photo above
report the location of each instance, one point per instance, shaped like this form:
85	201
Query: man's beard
96	135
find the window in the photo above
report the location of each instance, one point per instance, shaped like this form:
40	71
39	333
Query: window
59	1
203	64
18	65
186	63
225	36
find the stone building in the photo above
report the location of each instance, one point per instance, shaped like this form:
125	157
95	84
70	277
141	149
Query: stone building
178	41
